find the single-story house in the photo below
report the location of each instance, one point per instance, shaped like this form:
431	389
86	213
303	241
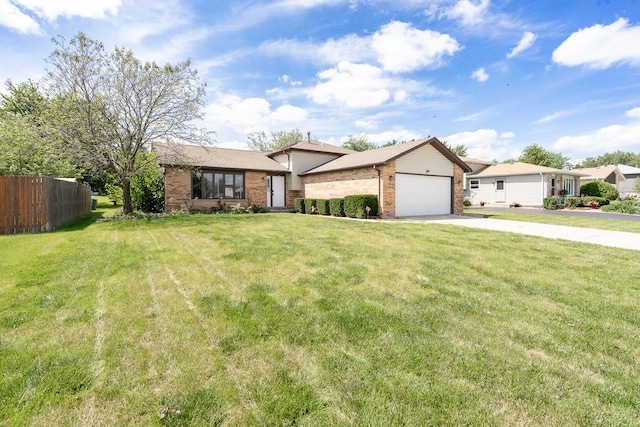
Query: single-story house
420	177
610	174
522	183
630	175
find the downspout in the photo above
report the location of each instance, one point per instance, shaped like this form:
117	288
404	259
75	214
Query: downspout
379	188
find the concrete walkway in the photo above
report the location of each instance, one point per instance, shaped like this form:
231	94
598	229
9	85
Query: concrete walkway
616	239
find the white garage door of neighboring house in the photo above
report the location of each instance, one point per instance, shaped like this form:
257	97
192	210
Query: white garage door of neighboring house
422	195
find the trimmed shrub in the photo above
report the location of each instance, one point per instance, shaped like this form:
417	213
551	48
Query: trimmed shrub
624	206
356	206
550	203
336	207
310	206
466	202
572	202
323	206
298	205
599	189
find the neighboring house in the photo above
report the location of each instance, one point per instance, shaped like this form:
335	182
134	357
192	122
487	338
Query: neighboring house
610	174
630	175
415	178
523	183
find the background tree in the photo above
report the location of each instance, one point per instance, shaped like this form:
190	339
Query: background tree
460	150
258	140
358	143
25	145
616	158
536	155
114	106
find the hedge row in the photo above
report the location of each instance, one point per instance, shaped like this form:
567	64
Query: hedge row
351	206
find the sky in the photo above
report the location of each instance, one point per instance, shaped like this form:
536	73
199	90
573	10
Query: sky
494	75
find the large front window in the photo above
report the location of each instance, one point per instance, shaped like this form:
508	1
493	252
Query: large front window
218	185
568	186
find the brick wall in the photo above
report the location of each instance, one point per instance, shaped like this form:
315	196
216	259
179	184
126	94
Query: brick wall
177	193
355	181
458	190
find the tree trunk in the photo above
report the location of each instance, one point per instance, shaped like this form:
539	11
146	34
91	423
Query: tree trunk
127	206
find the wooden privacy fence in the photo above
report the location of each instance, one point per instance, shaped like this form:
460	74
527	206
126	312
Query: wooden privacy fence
30	204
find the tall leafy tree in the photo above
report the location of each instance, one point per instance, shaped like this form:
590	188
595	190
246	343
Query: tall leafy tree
114	106
358	143
536	155
259	141
25	144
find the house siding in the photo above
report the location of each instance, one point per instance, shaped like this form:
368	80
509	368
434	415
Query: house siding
525	189
302	161
425	160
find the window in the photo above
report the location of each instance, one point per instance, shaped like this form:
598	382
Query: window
474	184
568	186
217	185
500	184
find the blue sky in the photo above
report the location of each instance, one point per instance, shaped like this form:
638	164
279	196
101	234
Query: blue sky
493	75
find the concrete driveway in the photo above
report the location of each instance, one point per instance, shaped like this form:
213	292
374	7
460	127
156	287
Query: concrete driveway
616	239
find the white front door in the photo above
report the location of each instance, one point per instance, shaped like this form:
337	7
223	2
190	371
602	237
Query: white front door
501	195
275	191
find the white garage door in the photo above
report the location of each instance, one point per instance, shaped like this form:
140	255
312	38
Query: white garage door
422	195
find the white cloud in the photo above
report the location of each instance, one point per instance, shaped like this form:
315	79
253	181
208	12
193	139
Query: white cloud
633	113
366	124
616	137
525	43
352	85
480	75
552	117
601	46
485	144
12	17
402	48
232	117
468	12
52	9
397	134
397	46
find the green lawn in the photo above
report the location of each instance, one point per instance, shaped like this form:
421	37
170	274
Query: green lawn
282	319
574	221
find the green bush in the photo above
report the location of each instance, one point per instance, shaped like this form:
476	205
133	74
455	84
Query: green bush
624	206
572	202
310	206
336	207
298	205
323	206
599	189
466	202
550	203
356	206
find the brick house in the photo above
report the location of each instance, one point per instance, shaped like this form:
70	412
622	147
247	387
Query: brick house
421	177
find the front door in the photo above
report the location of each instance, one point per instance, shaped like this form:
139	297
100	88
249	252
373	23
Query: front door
275	191
500	191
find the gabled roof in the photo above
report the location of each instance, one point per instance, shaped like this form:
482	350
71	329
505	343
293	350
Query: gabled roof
312	145
384	155
628	170
213	157
519	168
601	172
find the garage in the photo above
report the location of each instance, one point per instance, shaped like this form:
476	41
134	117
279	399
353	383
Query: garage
422	195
